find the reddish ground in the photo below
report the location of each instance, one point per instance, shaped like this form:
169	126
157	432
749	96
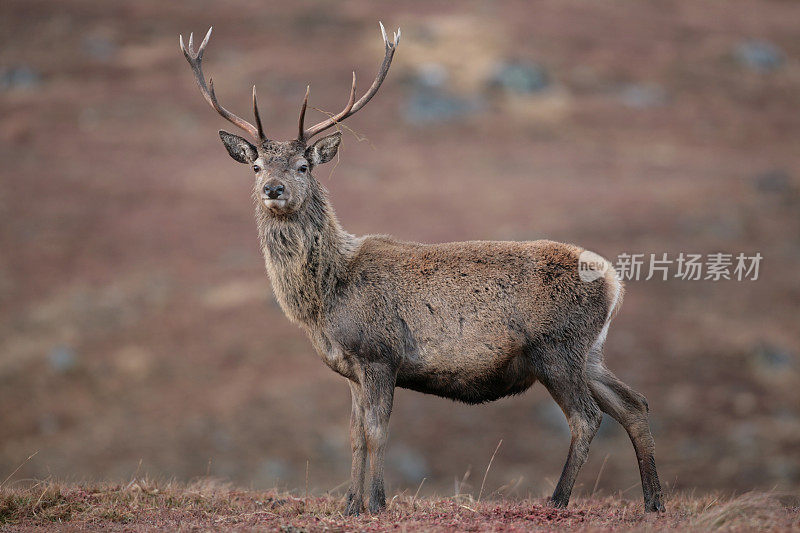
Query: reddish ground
145	506
137	327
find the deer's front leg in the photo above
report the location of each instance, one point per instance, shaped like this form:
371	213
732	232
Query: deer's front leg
358	442
378	381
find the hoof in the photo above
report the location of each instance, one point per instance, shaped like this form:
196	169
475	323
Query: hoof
558	503
352	510
377	499
353	506
655	506
377	508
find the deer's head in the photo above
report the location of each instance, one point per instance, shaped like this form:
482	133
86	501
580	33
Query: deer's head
283	169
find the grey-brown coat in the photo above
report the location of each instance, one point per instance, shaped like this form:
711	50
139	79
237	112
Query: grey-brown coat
469	321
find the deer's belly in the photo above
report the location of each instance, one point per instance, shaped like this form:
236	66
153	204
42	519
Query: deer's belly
476	376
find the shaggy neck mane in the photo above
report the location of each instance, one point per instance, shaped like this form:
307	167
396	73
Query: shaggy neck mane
305	254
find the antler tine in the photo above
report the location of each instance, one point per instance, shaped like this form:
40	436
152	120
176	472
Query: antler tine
302	135
352	106
303	114
195	61
261	136
383	31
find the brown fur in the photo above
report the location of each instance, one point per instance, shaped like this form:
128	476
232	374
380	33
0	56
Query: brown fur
470	321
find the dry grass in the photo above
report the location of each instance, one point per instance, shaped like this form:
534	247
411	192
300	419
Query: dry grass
144	504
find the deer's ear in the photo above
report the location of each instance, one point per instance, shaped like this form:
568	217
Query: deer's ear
324	149
239	148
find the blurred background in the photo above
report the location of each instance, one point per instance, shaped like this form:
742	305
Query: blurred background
138	331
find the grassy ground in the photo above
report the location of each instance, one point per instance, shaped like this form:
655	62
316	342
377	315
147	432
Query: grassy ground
143	504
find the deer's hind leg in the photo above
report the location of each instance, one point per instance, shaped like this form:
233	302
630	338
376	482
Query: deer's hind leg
571	391
630	409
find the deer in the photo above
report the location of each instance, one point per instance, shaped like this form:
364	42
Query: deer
471	321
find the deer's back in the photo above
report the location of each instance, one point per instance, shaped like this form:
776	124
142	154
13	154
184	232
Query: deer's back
472	321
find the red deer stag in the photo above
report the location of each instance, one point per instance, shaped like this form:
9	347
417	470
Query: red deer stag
470	321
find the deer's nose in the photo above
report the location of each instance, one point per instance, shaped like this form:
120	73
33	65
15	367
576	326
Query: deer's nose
273	190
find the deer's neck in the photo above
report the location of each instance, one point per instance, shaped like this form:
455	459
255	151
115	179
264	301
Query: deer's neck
305	255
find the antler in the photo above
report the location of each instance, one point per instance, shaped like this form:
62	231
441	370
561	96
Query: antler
352	106
195	60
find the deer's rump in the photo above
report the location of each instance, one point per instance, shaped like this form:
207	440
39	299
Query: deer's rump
472	321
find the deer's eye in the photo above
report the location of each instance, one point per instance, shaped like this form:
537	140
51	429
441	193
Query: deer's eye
256	168
303	168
